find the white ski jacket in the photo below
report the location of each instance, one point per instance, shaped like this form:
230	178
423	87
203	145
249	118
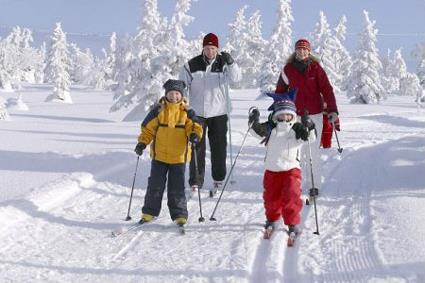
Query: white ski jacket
207	85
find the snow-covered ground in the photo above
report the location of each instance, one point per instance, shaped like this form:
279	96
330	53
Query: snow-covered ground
65	178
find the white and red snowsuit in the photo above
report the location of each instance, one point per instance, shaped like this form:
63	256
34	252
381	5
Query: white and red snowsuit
282	176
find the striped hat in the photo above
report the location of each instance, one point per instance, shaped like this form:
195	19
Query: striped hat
303	43
284	106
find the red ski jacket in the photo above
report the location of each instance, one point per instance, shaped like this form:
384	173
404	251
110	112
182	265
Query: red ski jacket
312	85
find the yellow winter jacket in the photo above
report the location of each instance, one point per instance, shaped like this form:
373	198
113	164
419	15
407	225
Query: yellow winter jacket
168	128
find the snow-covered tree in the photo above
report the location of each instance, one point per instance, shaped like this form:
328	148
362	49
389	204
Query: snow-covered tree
365	83
158	51
237	41
145	48
110	61
409	86
57	68
4	115
343	60
255	51
394	70
279	47
325	46
81	64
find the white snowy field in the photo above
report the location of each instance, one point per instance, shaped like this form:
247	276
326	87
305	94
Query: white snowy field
65	180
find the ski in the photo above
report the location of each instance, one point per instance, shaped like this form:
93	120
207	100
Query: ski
181	228
268	232
126	229
291	239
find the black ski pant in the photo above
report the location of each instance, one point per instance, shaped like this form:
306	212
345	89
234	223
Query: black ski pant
177	203
216	130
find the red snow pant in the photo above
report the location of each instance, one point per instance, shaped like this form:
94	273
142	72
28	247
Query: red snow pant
327	130
282	196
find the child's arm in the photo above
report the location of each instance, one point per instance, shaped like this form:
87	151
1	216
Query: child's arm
192	126
149	127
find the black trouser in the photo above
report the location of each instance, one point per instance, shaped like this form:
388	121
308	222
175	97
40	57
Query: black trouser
217	136
175	189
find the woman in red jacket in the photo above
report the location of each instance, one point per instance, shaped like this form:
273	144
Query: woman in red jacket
303	71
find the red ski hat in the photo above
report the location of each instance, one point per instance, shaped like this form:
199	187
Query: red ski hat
210	39
303	43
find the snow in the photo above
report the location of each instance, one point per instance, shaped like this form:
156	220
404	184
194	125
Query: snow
65	179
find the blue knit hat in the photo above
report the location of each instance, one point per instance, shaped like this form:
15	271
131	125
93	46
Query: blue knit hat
177	85
283	103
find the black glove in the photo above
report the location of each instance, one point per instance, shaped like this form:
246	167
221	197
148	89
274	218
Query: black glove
190	113
193	138
301	132
227	58
307	122
254	116
140	147
314	192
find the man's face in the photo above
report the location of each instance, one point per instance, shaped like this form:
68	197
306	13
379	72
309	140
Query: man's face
302	53
210	51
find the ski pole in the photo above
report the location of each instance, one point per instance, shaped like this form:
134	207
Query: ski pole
313	191
337	140
132	189
226	88
195	160
230	172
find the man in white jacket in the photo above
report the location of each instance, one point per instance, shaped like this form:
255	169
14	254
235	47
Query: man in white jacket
207	77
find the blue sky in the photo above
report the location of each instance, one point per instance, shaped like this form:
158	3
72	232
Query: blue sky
401	23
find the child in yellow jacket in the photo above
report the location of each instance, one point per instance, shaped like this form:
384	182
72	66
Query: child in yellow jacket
169	127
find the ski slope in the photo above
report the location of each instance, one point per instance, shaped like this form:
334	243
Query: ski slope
65	180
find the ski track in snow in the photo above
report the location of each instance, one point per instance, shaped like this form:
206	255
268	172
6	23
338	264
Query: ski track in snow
61	231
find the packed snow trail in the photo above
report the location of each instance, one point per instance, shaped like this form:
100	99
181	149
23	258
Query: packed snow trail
59	230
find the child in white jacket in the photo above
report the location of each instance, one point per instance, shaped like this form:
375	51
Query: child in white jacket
283	137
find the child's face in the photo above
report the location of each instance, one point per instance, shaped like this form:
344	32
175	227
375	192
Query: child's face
174	96
284	117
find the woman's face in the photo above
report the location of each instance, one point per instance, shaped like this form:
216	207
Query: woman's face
302	53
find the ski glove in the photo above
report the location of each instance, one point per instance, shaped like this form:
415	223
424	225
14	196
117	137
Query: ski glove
254	116
333	116
139	148
307	122
301	132
227	58
190	113
193	138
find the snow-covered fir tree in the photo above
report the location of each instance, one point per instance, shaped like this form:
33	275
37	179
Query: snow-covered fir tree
81	64
5	76
390	83
343	60
325	46
4	115
237	42
255	50
57	68
278	48
41	65
410	86
110	60
141	86
365	83
395	70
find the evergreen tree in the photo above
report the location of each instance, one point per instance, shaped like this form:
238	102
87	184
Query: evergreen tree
325	45
141	86
410	86
342	57
57	68
4	115
237	41
278	49
255	51
365	83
